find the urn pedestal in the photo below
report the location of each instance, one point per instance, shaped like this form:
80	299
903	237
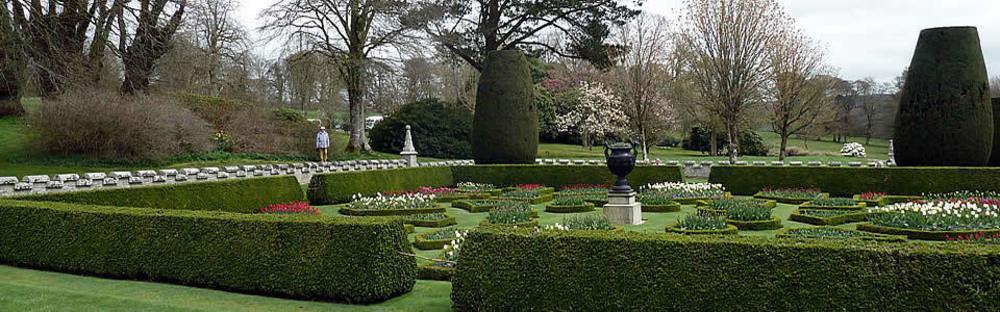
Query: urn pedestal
622	207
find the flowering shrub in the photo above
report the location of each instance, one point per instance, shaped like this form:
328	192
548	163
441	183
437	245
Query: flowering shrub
792	193
833	202
587	222
852	149
398	202
871	196
295	207
701	222
940	215
510	213
686	190
475	187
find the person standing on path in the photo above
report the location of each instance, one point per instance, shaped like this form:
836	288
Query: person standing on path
322	143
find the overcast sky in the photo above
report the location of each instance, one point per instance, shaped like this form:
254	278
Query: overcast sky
863	37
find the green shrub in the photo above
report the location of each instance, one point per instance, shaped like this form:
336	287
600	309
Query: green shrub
828	217
505	126
516	269
751	144
558	176
945	117
439	130
294	256
826	232
847	181
242	195
995	155
339	187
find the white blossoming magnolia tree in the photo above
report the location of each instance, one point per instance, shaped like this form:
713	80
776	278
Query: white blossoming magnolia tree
598	115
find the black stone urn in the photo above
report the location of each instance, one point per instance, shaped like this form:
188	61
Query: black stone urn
621	160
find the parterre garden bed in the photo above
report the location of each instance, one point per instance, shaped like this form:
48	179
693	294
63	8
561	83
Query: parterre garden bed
522	234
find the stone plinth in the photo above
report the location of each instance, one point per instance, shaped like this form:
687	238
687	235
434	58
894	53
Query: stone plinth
622	208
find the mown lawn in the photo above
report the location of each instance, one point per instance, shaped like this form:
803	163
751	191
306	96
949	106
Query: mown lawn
32	290
825	150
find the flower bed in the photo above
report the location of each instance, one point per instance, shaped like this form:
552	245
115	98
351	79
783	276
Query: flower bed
826	232
436	239
295	207
687	193
514	214
720	206
703	225
401	205
531	197
946	215
569	205
430	220
877	199
483	205
757	225
658	202
537	188
834	204
752	218
586	222
478	188
791	195
585	189
828	217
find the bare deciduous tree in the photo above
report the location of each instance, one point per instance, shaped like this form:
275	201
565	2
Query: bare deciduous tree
350	31
729	41
142	45
643	76
217	35
798	90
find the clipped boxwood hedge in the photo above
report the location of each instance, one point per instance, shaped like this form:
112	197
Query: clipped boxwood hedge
533	200
763	225
242	196
671	207
847	181
921	234
783	200
729	230
859	216
282	255
473	206
434	273
586	207
390	212
859	205
440	223
338	187
558	176
518	270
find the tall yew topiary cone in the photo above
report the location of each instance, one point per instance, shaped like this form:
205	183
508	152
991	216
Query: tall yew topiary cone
945	116
995	156
505	128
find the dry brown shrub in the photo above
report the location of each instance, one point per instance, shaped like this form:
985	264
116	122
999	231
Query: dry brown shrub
111	126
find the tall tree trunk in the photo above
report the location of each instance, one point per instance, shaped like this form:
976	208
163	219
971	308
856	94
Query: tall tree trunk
713	145
355	97
784	145
586	140
734	141
645	148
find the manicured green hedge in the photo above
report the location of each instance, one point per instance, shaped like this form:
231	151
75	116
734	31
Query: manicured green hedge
763	225
558	176
921	234
440	223
434	273
672	207
859	205
338	187
847	181
390	212
586	207
517	270
340	259
729	230
852	217
243	195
